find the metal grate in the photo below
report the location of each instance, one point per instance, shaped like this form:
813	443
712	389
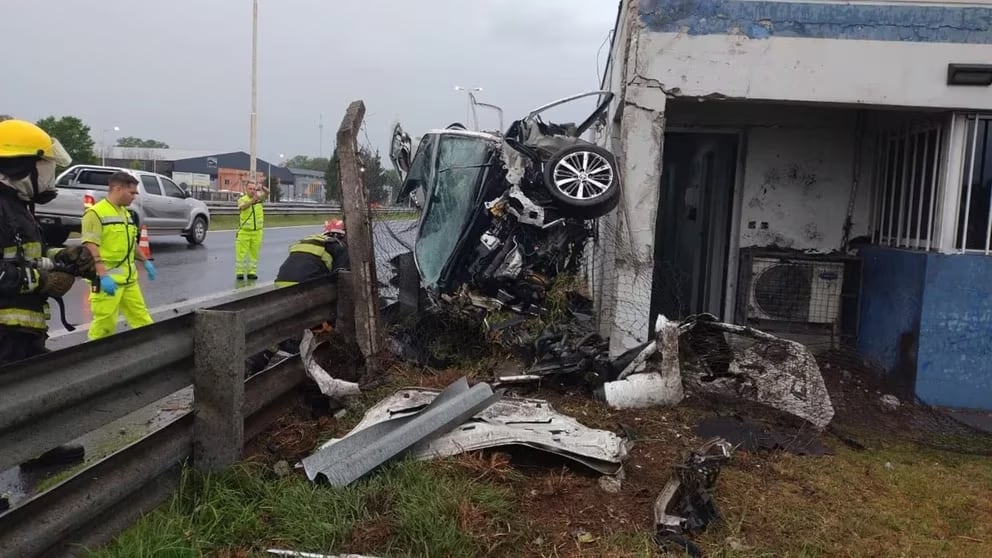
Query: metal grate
975	207
907	170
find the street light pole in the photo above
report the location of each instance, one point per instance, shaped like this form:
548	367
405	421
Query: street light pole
253	164
468	108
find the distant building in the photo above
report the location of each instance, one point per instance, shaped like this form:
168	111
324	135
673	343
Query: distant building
149	159
223	170
307	185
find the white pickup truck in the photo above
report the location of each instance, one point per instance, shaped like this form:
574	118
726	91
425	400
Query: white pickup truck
161	205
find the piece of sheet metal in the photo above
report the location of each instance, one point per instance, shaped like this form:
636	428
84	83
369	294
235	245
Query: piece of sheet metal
329	385
510	421
341	462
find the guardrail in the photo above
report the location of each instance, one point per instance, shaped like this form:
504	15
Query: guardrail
57	397
279	209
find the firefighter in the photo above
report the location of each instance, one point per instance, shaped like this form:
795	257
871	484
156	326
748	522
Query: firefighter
248	242
30	272
112	237
318	255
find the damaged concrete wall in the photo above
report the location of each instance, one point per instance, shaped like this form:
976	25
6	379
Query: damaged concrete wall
798	170
623	264
815	51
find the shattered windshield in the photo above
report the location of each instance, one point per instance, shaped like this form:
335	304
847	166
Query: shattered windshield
452	200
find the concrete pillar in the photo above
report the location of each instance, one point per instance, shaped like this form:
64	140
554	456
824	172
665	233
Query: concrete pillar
345	322
218	389
642	142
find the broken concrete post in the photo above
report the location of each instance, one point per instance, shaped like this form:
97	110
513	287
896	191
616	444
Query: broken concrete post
218	389
656	388
360	248
345	322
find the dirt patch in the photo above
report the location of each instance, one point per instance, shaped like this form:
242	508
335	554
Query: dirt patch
292	437
369	536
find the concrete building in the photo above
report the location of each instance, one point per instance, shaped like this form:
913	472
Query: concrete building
308	185
811	167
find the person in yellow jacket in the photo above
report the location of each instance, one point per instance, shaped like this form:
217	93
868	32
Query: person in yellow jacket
248	242
111	235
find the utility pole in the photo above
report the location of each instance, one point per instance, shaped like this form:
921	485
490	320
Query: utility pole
469	107
320	151
253	164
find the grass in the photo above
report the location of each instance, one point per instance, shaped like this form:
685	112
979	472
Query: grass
893	499
409	508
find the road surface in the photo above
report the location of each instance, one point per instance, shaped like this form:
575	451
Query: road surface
186	272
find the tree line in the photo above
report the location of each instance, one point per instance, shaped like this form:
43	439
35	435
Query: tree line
382	184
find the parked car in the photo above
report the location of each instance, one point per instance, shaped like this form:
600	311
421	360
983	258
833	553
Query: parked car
505	213
162	205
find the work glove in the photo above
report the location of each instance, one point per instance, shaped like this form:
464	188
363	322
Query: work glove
108	285
75	260
56	283
150	268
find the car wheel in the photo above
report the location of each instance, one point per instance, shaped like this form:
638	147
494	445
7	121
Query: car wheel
583	180
55	237
198	232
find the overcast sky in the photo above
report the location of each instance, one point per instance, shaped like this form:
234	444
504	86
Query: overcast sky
179	71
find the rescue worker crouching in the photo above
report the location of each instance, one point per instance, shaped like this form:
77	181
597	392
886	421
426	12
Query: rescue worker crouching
316	256
111	235
30	272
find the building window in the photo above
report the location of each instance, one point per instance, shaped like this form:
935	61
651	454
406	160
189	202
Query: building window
906	182
974	222
227	182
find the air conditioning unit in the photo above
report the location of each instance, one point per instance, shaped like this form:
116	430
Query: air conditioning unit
795	290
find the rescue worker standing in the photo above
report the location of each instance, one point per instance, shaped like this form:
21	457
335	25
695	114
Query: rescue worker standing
30	272
112	237
248	242
318	255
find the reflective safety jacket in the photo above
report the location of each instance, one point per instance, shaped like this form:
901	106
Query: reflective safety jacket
117	241
251	218
312	257
22	308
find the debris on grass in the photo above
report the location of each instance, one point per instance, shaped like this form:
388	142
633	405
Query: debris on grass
750	436
400	425
685	507
335	388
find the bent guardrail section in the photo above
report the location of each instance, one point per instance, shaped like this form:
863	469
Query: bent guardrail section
55	398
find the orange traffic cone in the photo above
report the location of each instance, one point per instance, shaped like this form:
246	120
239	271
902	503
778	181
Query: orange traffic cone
143	245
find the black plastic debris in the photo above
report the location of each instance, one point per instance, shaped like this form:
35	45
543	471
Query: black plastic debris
751	436
686	506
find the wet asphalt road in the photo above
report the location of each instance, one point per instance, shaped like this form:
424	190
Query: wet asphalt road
187	272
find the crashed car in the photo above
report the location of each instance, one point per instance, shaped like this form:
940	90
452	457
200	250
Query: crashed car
504	213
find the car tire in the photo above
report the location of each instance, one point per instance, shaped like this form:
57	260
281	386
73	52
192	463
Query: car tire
55	236
198	232
583	180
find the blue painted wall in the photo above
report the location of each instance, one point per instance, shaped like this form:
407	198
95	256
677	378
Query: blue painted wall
761	19
891	304
955	357
927	320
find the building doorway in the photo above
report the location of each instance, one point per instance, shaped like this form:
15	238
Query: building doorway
694	224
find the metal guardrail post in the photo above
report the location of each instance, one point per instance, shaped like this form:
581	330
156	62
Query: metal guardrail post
218	389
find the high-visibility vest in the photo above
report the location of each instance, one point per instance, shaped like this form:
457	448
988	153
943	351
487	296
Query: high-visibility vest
315	245
117	241
251	218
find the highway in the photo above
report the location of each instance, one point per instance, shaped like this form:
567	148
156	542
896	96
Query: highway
187	272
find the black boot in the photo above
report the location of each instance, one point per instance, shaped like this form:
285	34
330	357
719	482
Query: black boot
68	454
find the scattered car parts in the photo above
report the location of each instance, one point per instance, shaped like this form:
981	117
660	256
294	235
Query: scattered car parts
685	507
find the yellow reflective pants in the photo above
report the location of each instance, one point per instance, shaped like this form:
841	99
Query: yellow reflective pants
247	245
286	283
127	301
